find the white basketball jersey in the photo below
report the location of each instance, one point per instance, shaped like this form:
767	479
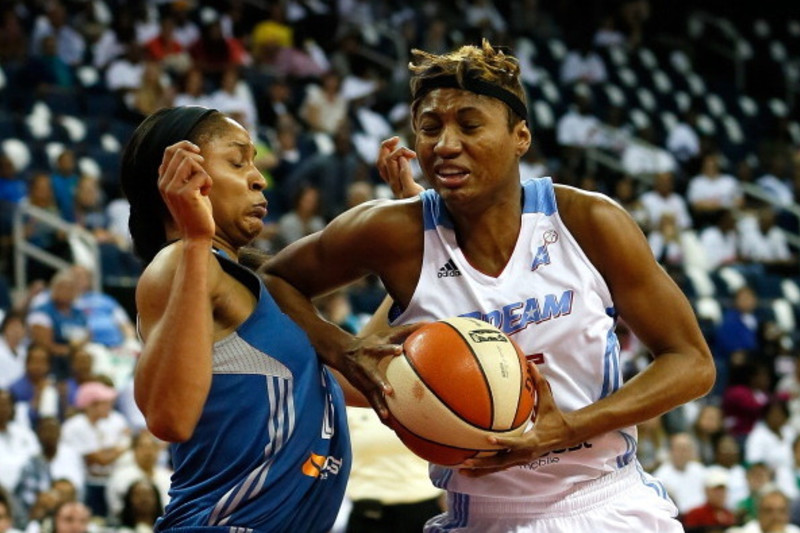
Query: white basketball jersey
553	302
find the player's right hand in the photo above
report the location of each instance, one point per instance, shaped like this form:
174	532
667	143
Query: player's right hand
184	185
364	363
395	168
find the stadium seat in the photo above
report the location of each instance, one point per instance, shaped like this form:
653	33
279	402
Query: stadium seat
701	282
708	308
784	315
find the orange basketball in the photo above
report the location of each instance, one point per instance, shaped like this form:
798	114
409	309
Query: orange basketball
459	381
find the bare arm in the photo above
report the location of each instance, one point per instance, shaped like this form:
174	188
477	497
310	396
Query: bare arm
174	299
656	311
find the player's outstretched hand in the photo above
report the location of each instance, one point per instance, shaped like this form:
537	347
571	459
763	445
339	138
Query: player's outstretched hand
365	361
548	433
184	185
395	168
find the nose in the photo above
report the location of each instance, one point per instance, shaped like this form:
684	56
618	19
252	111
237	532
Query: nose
448	144
257	181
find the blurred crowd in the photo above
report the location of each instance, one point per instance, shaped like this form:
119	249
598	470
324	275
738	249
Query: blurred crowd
319	84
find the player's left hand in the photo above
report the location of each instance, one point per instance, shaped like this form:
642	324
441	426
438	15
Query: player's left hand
548	433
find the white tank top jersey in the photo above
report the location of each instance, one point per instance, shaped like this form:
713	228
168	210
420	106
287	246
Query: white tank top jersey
552	301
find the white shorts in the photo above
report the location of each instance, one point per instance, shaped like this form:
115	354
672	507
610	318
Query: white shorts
628	500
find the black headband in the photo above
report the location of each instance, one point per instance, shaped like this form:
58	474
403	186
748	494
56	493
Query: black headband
174	125
476	86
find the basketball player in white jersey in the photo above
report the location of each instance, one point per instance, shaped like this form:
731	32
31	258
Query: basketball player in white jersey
550	265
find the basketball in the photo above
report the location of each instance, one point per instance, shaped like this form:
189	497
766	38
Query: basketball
459	381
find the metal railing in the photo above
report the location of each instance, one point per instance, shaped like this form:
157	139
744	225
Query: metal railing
24	249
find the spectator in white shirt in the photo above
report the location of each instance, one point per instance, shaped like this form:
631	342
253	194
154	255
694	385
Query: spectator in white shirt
720	241
17	443
100	435
774	184
70	45
583	65
711	190
124	74
324	108
663	199
143	464
643	156
192	91
13	347
683	475
682	138
764	242
770	442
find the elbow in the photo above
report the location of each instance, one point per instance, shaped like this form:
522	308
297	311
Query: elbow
169	430
704	376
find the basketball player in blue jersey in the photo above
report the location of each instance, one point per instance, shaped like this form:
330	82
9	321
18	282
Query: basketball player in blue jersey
257	423
552	266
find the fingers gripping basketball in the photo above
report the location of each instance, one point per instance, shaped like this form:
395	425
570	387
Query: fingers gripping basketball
459	381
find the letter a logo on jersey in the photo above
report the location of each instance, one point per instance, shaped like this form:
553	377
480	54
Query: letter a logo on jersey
542	256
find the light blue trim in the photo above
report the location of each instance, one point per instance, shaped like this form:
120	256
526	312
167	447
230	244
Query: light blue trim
539	196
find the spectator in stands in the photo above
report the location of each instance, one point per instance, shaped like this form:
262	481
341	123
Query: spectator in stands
644	155
771	441
141	508
527	18
682	474
330	173
153	93
13	37
607	34
39	234
234	98
13	189
727	457
58	324
13	347
759	480
124	73
714	514
39	516
582	64
653	446
663	199
615	134
324	108
64	179
625	194
213	53
53	24
185	30
146	451
17	443
71	517
55	461
165	49
46	72
577	129
303	219
107	321
706	429
36	389
192	90
683	140
100	435
789	387
274	52
763	242
745	398
276	106
773	515
776	182
720	240
711	190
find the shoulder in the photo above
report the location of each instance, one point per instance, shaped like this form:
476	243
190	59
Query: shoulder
380	222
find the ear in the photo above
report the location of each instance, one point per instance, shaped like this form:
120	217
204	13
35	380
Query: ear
523	138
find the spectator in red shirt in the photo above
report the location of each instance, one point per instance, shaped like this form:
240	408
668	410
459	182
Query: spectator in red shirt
713	515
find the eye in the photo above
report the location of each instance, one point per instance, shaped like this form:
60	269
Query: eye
237	164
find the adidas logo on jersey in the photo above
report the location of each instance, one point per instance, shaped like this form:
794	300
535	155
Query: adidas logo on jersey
449	270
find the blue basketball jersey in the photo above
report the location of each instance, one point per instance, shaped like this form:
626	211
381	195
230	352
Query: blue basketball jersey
271	451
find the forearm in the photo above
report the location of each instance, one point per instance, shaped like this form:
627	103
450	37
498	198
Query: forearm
173	375
671	380
329	340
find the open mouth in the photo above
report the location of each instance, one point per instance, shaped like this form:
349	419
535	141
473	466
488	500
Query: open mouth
451	176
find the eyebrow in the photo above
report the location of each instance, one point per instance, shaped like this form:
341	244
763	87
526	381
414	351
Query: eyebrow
243	146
